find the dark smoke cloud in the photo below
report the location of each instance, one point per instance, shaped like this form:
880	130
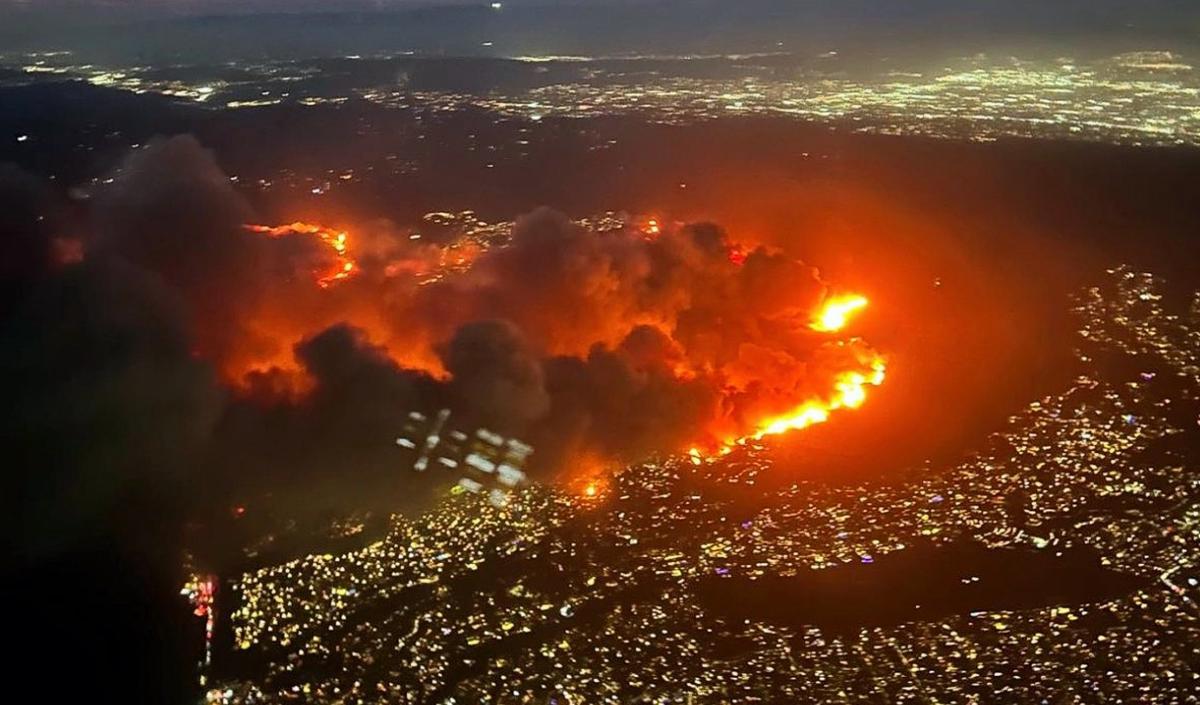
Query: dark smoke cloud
105	414
157	349
497	374
171	210
103	397
624	403
333	449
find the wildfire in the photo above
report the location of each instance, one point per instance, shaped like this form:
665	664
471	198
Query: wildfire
850	391
836	311
336	240
737	255
849	388
754	416
589	489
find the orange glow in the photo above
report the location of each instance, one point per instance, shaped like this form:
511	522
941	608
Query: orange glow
589	476
67	250
766	385
337	240
590	488
836	311
849	387
850	392
276	323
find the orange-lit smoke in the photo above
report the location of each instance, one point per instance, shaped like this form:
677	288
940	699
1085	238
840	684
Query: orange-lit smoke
727	343
836	312
849	386
316	276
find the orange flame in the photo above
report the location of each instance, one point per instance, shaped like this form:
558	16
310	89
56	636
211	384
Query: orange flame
590	488
850	392
337	240
837	311
849	388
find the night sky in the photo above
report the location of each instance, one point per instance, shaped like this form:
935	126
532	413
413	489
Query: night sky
1114	13
225	30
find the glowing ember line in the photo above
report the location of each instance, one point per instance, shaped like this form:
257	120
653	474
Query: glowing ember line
850	393
849	388
335	239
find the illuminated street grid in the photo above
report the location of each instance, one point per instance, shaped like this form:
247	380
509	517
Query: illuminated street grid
1149	97
1143	98
564	598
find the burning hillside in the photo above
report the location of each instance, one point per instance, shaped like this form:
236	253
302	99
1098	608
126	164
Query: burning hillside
605	339
341	266
726	343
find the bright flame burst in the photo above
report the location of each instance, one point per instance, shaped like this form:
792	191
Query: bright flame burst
850	391
849	388
336	240
837	311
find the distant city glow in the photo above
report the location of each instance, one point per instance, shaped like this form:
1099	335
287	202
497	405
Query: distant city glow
1141	97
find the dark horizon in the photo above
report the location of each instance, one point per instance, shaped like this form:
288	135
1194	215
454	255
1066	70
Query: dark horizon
195	33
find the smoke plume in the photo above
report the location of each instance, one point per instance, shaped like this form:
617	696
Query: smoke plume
169	336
